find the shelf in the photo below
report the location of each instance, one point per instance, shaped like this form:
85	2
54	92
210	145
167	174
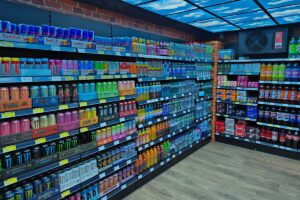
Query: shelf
38	171
238	103
203	118
280	82
164	98
260	60
33	46
278	126
237	117
163	138
279	104
204	79
164	79
236	88
203	98
49	138
106	100
108	145
239	73
151	170
150	122
256	142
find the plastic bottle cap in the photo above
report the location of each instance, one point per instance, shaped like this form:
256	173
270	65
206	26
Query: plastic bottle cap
15	59
6	59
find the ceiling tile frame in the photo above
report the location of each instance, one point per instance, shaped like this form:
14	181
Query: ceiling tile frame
265	10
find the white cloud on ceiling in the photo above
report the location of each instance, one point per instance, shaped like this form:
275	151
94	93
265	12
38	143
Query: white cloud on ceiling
193	14
234	10
276	2
222	8
286	12
165	5
209	23
291	18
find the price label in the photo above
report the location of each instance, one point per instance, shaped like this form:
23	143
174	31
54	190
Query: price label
101	148
227	136
128	162
168	159
246	140
81	50
56	78
38	110
64	134
257	142
69	78
100	52
104	198
55	48
84	129
102	100
174	156
236	138
102	175
117	76
140	176
81	104
166	117
116	142
122	119
63	162
8	114
65	193
124	76
149	123
180	130
118	53
123	187
10	181
169	135
26	79
160	139
140	148
9	148
116	168
180	152
158	120
128	137
162	163
153	79
103	124
146	146
151	169
151	143
63	107
191	146
122	98
40	140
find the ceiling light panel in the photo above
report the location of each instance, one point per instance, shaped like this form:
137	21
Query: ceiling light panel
209	23
289	19
256	24
225	28
191	16
247	17
277	3
205	3
167	7
135	2
285	11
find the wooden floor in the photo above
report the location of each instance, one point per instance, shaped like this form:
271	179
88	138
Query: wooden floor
224	172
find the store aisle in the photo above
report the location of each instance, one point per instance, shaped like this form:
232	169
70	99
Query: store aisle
224	172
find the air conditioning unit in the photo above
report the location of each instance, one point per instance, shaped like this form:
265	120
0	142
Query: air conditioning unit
263	41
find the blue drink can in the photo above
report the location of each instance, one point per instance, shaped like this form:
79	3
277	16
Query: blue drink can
37	31
84	194
85	34
80	88
30	63
54	180
52	90
17	31
23	63
91	35
23	29
45	30
92	87
59	32
9	195
86	64
86	87
12	28
46	183
45	63
19	193
90	64
44	91
72	33
35	91
37	63
5	26
51	31
81	64
30	30
78	34
28	191
37	187
66	33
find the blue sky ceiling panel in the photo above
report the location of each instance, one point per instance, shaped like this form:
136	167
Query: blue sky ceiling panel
205	3
277	3
191	16
257	24
135	2
253	16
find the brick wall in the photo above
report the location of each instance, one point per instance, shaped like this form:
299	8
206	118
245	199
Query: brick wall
72	7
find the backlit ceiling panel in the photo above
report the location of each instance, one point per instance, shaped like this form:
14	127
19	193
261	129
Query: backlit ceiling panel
225	15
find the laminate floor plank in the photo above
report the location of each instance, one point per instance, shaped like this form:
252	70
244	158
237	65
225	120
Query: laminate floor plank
224	172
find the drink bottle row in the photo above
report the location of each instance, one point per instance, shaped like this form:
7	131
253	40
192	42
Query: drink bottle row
279	93
280	72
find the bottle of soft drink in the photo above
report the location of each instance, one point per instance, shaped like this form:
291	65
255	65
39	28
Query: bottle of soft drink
288	72
292	48
263	69
269	72
281	72
298	48
275	72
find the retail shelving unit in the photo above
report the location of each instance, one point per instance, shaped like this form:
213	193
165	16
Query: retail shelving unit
258	143
135	181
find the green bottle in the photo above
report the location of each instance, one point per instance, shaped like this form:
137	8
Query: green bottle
298	47
292	47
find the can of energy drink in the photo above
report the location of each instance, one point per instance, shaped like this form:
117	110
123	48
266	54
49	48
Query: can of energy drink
54	180
15	127
9	195
52	90
60	93
74	93
19	193
24	92
37	187
60	146
67	94
4	94
51	120
28	191
36	152
80	88
35	91
35	122
46	183
18	158
86	87
43	121
8	161
44	91
14	93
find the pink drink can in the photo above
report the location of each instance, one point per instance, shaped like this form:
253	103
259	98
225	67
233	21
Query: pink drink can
78	196
15	127
75	64
60	118
72	198
68	117
25	125
74	115
58	67
4	129
64	64
52	66
69	64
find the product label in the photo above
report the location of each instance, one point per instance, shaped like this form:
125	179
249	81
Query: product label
285	117
267	94
278	40
273	94
292	96
279	116
262	94
292	118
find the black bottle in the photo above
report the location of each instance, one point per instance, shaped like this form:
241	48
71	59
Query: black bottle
289	139
296	139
